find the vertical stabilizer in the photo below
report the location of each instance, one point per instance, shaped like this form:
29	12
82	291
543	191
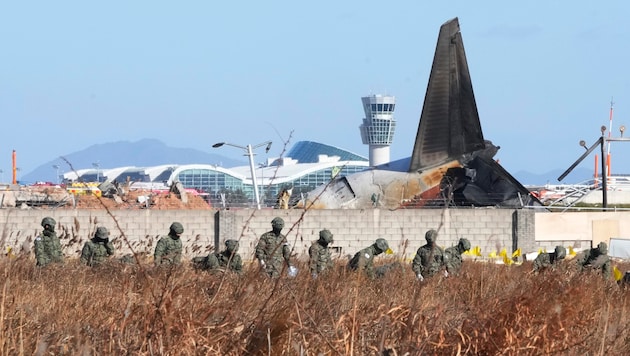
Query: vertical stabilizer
449	124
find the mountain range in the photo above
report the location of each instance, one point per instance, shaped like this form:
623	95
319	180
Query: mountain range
142	153
152	152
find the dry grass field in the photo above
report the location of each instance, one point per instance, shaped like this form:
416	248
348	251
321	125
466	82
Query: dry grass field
489	309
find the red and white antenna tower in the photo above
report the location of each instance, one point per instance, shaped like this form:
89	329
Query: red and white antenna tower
608	170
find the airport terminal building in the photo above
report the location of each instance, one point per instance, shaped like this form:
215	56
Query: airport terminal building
307	165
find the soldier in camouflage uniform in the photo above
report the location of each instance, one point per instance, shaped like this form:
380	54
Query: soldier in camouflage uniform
226	260
47	245
272	250
319	256
597	259
229	259
169	248
544	260
453	256
429	258
364	259
98	249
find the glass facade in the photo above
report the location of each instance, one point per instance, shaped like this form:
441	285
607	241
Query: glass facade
164	176
213	184
379	131
382	108
133	176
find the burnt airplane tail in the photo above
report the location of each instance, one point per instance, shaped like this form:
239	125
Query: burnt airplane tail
449	123
451	163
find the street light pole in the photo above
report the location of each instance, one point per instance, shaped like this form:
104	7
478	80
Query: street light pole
249	149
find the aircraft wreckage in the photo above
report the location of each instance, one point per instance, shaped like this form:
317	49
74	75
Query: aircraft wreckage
451	163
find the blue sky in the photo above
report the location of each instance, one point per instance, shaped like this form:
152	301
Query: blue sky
190	74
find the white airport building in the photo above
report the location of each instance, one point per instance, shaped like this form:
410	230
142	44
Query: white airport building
307	165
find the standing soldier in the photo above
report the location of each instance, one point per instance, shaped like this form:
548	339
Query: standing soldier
169	248
545	260
273	250
96	250
319	256
596	258
429	258
364	259
453	256
47	245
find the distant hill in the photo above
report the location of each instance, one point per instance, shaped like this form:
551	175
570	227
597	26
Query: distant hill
576	176
143	153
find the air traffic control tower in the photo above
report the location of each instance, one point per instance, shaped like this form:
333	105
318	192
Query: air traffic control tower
378	126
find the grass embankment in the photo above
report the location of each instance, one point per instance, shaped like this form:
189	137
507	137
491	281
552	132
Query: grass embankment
488	310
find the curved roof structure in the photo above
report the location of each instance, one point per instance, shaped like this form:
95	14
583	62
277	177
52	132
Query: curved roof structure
309	152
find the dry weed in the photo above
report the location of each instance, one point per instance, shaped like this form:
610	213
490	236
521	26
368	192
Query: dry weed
141	310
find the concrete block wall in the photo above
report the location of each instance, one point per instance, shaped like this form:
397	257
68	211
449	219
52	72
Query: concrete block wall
524	231
142	228
491	229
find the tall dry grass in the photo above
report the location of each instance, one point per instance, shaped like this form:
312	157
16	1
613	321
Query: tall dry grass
140	310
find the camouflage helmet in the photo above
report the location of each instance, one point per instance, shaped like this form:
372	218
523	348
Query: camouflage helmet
381	244
326	236
561	252
602	247
277	222
101	233
430	236
48	221
231	245
177	228
464	244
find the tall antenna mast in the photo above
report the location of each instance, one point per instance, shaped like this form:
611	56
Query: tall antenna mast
608	170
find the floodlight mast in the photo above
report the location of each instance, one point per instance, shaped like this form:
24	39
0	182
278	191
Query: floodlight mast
250	153
601	141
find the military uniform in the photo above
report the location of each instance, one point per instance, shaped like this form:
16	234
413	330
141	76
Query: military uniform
47	244
545	260
364	259
230	262
273	249
169	248
98	249
429	258
453	256
596	258
227	260
319	255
